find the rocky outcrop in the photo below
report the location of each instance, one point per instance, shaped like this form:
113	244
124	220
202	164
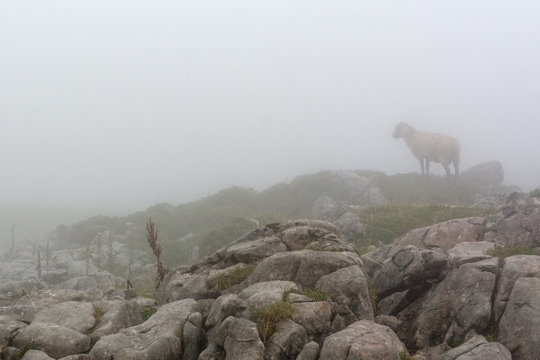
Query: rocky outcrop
436	293
55	340
363	340
160	337
519	327
490	173
478	348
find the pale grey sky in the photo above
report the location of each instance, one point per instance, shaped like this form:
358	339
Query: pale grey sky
122	104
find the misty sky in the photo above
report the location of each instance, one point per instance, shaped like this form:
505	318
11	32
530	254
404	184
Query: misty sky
122	104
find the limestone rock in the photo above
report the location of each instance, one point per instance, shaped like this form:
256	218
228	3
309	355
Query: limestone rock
477	348
46	336
75	315
363	340
519	327
490	173
158	338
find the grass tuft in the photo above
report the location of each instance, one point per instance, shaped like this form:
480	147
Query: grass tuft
147	311
236	276
511	250
268	318
317	295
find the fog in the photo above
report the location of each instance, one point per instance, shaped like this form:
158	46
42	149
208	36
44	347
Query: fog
120	105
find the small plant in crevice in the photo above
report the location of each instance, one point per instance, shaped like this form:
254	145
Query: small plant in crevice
236	276
147	311
511	250
19	354
404	355
457	342
372	290
268	317
317	295
98	313
152	238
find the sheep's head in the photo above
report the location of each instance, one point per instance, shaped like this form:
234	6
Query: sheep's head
401	130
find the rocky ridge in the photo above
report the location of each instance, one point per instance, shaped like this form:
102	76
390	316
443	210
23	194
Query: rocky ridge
434	293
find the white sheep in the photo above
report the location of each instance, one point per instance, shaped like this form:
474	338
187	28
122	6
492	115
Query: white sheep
428	146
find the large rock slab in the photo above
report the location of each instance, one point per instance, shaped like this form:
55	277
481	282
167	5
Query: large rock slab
410	267
315	317
240	339
351	226
467	252
445	235
160	337
286	342
513	268
8	329
304	267
57	341
490	173
348	287
519	328
75	315
36	355
251	251
521	225
460	304
477	348
114	316
363	340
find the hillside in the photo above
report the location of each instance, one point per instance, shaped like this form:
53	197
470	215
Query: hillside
388	205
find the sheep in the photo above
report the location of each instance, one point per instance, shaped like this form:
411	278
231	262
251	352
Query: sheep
428	146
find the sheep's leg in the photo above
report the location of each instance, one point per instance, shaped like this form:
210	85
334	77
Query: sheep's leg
446	169
427	167
456	167
422	165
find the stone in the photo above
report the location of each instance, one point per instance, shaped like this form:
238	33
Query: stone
286	342
466	252
304	267
363	339
325	208
351	226
490	173
310	351
459	305
519	327
8	329
444	236
513	268
157	338
240	339
115	315
410	267
75	315
348	286
477	348
45	337
315	317
36	355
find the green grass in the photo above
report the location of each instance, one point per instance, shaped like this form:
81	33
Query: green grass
268	318
317	295
236	276
147	311
404	355
511	250
98	313
382	224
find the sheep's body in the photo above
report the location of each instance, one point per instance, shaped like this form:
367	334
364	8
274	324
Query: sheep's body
427	147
